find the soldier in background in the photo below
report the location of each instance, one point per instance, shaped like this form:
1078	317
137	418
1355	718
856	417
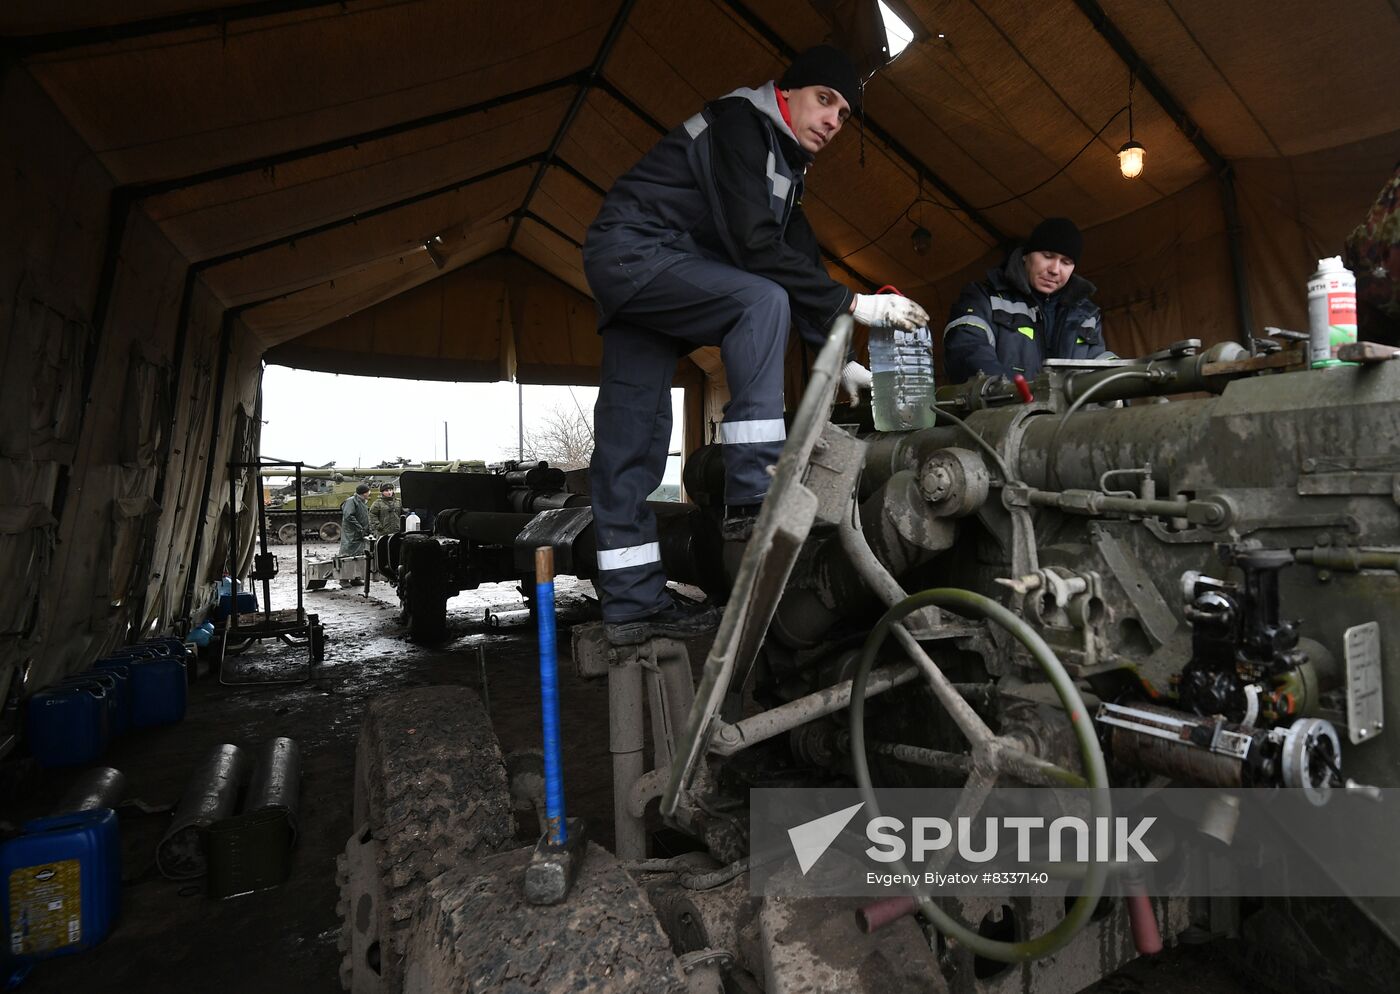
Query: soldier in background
1373	254
354	522
386	514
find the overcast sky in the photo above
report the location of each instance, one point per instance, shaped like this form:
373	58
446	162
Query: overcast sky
363	420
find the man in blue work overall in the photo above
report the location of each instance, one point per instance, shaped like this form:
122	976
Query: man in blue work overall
704	242
1031	309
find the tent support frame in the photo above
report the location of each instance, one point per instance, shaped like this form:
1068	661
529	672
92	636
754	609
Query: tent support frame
1224	172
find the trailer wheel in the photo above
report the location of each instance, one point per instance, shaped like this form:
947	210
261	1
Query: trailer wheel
422	588
430	794
287	533
329	532
473	932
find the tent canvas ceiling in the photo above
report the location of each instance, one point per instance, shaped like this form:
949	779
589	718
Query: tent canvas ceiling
300	154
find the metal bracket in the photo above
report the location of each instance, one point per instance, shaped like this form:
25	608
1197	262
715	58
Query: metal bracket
779	533
1152	609
558	528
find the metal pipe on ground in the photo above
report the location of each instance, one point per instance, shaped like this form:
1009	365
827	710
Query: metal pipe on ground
211	793
276	781
99	787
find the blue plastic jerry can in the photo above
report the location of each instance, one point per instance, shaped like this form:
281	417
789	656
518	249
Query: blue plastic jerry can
60	884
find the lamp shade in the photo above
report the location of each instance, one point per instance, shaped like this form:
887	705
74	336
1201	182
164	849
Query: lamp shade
1130	159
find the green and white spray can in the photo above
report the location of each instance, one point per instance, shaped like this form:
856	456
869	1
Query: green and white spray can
1331	310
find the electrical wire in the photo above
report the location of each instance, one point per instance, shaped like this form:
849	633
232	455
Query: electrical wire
986	445
952	208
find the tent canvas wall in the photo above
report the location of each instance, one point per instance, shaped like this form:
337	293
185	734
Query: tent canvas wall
188	187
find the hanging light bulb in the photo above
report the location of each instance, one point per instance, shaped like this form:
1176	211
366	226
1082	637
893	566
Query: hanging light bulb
922	239
1130	159
1132	154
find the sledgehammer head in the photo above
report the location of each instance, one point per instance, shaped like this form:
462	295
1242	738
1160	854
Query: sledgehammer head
553	868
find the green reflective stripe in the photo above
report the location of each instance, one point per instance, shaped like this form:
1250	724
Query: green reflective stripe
1028	332
1081	341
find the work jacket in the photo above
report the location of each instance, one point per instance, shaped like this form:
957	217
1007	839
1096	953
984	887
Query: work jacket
725	185
386	516
1001	327
354	526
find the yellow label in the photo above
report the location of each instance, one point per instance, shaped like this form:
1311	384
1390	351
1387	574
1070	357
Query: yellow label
46	907
1028	332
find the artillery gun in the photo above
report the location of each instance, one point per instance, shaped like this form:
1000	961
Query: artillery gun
1196	592
325	489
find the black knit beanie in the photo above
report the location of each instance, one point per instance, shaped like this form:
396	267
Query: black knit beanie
1057	234
825	66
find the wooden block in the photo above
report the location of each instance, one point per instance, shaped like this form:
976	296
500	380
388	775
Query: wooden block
1367	352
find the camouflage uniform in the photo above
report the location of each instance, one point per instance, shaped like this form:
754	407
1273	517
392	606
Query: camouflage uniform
386	516
1373	254
354	526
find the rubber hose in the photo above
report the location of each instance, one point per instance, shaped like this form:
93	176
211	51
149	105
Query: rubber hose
1089	750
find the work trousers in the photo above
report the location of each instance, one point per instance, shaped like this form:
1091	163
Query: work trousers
693	303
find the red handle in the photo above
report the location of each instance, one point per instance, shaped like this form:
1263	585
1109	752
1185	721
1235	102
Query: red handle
878	914
1146	937
1023	388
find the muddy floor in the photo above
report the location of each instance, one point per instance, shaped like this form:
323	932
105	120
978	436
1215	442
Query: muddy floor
173	938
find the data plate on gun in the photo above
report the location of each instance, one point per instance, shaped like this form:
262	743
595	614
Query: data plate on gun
1363	654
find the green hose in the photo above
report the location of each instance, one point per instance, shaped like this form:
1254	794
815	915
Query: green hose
968	602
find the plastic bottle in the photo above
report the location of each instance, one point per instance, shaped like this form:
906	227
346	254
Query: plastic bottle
1331	310
901	367
412	523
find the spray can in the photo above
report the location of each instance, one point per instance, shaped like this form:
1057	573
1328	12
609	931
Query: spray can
1331	310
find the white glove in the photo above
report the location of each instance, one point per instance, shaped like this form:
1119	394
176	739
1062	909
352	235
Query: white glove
888	310
853	377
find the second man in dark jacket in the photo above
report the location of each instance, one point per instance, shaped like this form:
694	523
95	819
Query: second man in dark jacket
1031	309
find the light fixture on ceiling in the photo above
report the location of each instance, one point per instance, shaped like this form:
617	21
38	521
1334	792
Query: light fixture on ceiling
1130	159
898	35
1132	154
922	240
431	247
